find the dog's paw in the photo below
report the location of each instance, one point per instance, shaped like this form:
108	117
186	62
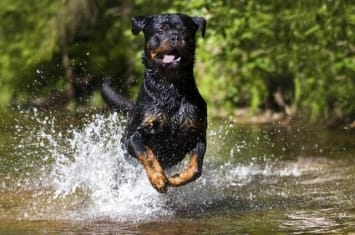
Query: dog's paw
159	182
174	180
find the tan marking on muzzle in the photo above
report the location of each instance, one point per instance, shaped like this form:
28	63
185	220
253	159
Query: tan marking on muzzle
165	45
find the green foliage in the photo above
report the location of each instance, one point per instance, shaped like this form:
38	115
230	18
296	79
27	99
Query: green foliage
95	35
301	50
27	37
304	49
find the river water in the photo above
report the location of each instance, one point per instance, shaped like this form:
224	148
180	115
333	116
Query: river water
66	174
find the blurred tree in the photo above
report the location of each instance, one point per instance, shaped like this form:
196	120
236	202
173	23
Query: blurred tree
290	56
56	51
28	36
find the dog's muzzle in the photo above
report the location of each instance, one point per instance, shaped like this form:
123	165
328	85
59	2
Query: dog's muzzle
168	50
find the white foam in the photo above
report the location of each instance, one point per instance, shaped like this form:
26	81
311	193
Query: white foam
93	162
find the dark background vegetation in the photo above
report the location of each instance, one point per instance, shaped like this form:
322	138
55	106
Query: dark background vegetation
294	58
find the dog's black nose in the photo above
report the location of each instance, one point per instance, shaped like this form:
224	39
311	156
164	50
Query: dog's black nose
174	37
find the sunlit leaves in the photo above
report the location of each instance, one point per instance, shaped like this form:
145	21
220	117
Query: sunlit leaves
305	49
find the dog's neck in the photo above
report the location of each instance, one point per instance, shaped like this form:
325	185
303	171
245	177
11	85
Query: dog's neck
169	88
167	78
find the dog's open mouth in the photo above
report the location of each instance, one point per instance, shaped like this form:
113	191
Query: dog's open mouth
169	58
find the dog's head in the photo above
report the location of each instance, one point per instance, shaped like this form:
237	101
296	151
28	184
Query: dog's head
169	38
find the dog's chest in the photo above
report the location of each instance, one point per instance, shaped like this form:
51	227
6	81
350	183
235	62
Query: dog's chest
179	123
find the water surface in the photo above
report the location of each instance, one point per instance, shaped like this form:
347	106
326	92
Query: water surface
65	174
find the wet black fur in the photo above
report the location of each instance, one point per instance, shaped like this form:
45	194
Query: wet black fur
169	115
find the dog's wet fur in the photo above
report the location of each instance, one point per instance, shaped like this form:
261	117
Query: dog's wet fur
169	118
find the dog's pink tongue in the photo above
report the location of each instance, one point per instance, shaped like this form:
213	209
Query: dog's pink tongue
168	58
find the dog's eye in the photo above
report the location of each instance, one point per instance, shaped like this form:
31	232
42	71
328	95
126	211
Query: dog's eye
160	32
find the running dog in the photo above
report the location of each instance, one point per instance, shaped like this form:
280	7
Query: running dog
169	118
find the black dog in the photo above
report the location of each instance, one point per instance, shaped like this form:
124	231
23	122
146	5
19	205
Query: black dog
169	118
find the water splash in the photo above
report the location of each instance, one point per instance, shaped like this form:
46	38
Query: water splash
84	169
93	163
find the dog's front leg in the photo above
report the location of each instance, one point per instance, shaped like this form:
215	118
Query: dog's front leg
194	168
151	165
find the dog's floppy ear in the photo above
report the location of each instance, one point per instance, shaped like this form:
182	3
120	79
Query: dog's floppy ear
139	23
201	23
